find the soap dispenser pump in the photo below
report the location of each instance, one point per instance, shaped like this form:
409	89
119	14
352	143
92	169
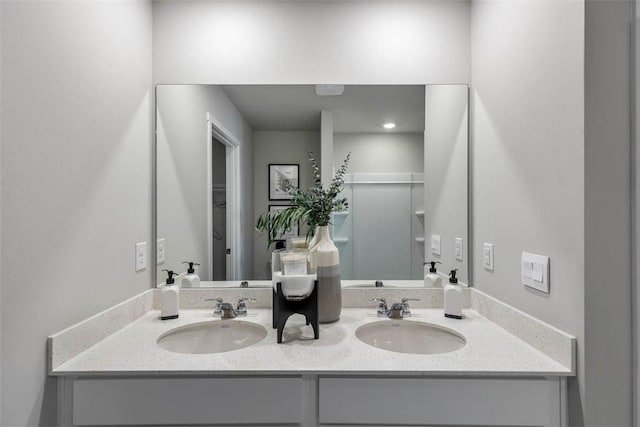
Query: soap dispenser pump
170	298
191	279
432	279
453	297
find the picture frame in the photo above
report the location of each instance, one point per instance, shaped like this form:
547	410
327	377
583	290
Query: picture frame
293	231
278	173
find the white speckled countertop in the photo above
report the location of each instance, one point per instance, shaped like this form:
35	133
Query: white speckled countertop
490	350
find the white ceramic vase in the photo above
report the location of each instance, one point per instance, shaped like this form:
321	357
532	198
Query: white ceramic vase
325	258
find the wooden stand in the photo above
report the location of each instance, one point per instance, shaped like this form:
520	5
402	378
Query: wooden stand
284	308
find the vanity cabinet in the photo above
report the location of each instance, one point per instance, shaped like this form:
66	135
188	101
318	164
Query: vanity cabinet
311	401
439	401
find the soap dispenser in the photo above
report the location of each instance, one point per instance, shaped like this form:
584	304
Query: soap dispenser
453	297
432	279
170	298
191	279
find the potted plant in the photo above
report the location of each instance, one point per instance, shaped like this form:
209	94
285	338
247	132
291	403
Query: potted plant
314	206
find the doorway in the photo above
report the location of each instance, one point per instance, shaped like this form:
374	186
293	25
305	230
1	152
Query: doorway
219	210
223	232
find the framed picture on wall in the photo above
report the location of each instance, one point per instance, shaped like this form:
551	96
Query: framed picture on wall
279	175
294	231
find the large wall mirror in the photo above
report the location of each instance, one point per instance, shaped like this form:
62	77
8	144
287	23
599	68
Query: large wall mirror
407	184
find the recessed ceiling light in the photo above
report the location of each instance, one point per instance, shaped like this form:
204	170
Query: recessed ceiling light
389	125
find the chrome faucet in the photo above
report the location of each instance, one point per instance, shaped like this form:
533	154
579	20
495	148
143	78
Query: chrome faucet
379	284
398	310
244	284
227	311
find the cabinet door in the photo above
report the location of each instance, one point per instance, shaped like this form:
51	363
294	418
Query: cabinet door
418	401
187	401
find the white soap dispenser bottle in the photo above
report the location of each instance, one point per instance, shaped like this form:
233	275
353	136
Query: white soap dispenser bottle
432	279
169	298
453	297
191	279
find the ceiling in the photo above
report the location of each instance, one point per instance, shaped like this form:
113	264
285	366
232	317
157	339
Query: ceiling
361	108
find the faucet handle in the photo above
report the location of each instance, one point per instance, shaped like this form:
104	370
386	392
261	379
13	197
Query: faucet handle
383	310
216	311
241	308
406	310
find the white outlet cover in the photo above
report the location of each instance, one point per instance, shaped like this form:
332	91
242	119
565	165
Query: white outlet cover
535	271
488	256
141	256
459	249
160	256
435	244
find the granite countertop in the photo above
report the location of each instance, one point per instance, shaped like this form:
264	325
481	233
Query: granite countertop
490	350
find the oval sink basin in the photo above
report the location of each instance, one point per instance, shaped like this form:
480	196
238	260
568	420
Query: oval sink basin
216	336
406	336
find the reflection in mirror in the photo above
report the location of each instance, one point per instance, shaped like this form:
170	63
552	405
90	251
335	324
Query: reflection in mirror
215	144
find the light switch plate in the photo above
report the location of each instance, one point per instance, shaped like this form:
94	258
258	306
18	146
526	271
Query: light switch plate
435	244
459	250
141	256
160	256
488	256
535	271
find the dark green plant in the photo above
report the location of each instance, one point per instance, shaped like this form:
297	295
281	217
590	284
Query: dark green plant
312	206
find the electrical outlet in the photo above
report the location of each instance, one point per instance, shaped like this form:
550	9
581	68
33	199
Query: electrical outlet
488	256
435	244
141	256
459	250
160	256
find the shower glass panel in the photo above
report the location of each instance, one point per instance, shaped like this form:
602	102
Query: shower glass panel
382	235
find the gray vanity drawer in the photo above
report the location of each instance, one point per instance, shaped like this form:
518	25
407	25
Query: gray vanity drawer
450	401
184	401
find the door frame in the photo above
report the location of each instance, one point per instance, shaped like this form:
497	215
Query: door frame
216	130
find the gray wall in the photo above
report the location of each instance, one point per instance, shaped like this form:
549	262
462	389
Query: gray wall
607	193
551	174
277	147
182	173
311	42
446	176
527	139
76	178
379	152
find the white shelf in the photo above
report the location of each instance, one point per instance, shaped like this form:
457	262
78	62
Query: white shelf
420	239
340	240
419	213
345	213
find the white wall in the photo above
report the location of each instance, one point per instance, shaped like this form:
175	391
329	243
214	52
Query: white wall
277	147
311	42
182	173
446	141
76	114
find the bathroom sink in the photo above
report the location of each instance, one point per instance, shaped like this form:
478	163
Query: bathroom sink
407	336
215	336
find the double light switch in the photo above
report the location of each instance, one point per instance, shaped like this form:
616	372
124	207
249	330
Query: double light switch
535	271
